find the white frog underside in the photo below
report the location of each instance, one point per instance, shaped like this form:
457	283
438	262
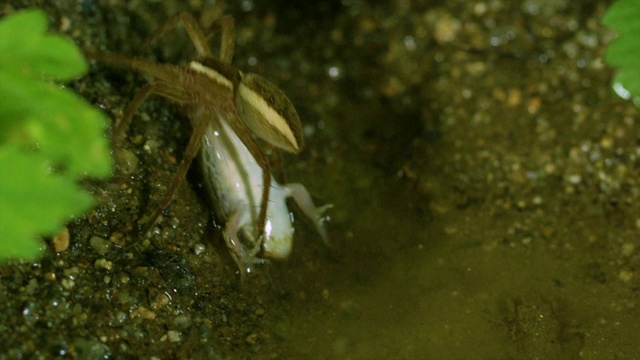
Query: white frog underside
236	179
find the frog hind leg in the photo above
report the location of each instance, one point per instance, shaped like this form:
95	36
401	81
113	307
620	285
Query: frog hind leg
302	198
244	257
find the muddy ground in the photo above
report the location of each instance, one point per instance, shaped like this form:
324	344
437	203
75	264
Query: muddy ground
483	173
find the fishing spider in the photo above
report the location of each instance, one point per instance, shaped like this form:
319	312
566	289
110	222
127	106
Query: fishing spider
208	87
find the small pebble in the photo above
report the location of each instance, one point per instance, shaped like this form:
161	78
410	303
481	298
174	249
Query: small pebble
144	313
100	245
606	142
251	339
199	248
71	272
514	97
574	179
127	160
160	301
65	24
67	283
61	240
103	264
625	276
627	249
50	276
182	321
173	336
446	29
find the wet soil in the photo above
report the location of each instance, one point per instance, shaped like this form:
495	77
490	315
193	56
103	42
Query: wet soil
482	171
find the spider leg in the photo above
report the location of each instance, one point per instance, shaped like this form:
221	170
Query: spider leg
278	169
201	119
153	88
192	28
227	25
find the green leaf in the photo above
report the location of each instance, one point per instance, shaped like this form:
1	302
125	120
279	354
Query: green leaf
28	249
623	16
30	24
27	49
628	79
624	52
33	201
57	121
43	126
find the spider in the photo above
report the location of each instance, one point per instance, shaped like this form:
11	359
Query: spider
208	88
